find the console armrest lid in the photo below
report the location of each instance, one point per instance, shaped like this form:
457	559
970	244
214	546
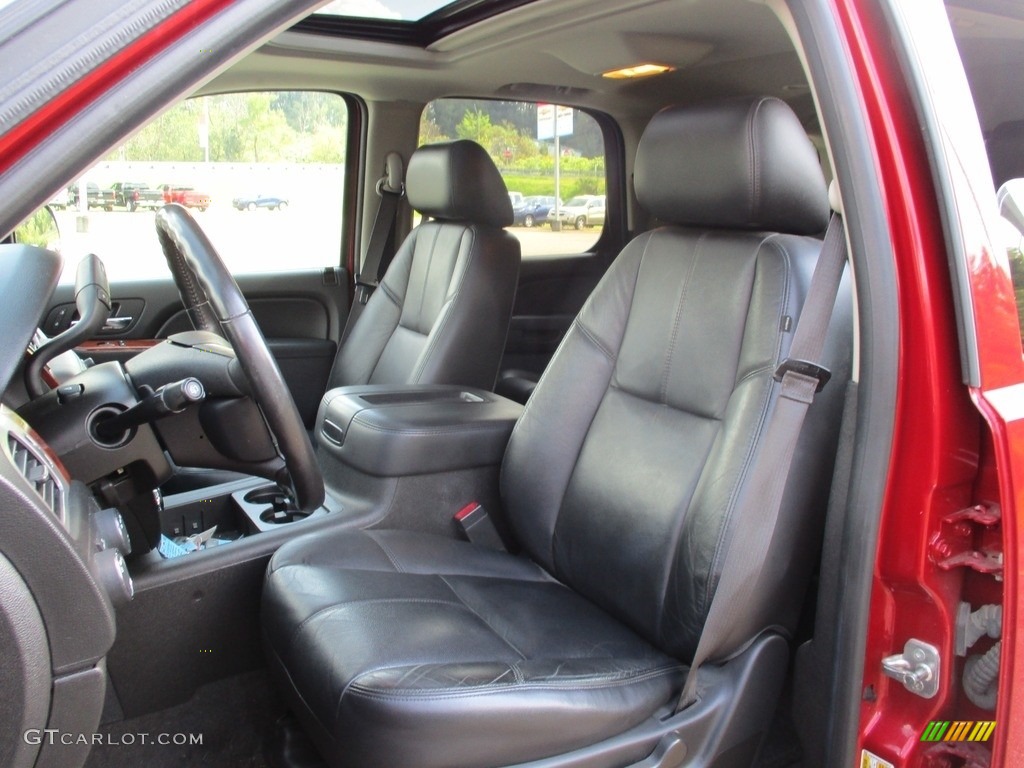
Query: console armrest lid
393	431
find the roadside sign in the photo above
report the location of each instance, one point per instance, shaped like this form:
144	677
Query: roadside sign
547	117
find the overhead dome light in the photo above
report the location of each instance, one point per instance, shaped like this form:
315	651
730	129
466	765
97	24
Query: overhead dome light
637	70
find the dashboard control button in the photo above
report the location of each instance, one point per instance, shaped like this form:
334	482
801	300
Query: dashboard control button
111	532
68	392
111	571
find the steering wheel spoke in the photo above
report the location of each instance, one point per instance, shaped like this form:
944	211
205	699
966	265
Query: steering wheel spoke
215	303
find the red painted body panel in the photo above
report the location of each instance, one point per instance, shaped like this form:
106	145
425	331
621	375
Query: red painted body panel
20	140
953	446
938	436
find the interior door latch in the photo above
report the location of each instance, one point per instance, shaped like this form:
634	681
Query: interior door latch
917	668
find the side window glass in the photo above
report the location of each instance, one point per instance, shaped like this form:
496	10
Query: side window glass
1011	207
262	172
552	160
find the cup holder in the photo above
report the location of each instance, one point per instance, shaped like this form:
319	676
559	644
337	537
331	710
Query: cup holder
282	516
281	507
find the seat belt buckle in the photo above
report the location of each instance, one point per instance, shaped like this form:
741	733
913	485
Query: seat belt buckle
364	289
476	525
819	373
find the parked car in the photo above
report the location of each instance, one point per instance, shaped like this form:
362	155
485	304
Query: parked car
580	212
516	198
875	620
271	202
61	200
134	195
95	197
532	210
186	196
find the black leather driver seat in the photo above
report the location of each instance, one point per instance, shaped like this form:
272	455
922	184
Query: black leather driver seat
402	649
441	312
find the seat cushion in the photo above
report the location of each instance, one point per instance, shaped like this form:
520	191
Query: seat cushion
388	639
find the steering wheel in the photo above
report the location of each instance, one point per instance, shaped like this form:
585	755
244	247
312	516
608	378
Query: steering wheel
215	303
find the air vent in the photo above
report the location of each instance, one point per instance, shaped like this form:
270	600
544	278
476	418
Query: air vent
39	475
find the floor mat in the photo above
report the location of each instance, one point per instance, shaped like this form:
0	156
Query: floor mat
230	717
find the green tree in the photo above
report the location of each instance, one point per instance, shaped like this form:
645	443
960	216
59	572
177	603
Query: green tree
476	126
173	136
430	132
244	128
326	145
259	127
309	111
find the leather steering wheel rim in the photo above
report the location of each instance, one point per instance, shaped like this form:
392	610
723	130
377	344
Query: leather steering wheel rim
215	303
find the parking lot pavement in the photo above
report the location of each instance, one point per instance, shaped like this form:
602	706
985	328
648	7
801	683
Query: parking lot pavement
541	241
260	241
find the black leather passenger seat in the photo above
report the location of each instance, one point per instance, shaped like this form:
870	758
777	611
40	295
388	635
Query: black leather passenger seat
441	312
619	482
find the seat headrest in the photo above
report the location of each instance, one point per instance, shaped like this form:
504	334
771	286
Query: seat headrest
738	164
1005	145
458	181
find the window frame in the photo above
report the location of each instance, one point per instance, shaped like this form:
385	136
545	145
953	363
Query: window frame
354	138
614	233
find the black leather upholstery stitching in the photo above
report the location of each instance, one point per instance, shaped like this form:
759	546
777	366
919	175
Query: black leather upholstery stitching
386	550
651	401
755	206
390	294
415	239
431	252
181	269
751	162
543	377
611	380
579	684
436	329
758	429
684	289
756	372
342	606
467	428
486	623
594	340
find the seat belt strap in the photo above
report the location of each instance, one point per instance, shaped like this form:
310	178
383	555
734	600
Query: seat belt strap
757	510
390	190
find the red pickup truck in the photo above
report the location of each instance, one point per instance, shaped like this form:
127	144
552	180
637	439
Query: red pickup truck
186	196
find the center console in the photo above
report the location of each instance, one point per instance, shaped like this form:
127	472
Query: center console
410	457
388	455
393	457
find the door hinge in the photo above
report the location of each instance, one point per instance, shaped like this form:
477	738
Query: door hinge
917	668
967	539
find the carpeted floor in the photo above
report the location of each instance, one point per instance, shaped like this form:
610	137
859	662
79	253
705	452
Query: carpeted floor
233	717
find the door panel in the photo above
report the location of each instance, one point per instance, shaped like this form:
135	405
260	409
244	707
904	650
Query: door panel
301	314
296	317
551	292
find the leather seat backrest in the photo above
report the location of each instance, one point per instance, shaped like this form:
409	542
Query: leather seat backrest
623	473
441	312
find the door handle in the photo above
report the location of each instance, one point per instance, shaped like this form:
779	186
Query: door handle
117	323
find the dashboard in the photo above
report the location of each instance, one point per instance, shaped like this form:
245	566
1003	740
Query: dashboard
62	567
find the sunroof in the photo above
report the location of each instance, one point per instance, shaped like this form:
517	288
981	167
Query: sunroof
395	10
414	22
